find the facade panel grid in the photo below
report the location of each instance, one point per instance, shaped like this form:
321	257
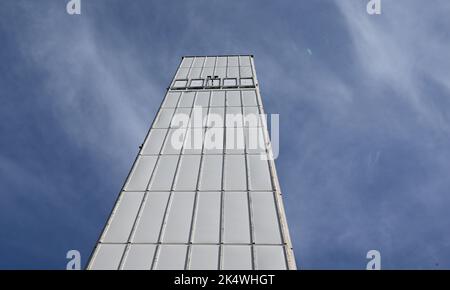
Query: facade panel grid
200	194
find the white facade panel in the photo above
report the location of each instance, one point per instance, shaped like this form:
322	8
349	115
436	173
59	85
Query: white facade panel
123	218
233	61
139	257
187	62
233	98
149	223
211	173
207	218
237	258
259	174
265	218
202	99
187	99
154	142
244	60
171	257
235	142
179	217
221	61
210	61
204	257
213	143
270	258
236	218
141	173
188	171
174	141
193	143
171	99
249	98
235	176
164	118
107	257
217	99
245	72
164	172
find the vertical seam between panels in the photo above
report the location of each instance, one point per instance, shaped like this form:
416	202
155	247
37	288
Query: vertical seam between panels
249	200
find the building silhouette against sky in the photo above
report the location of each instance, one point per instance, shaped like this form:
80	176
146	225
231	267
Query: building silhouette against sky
202	193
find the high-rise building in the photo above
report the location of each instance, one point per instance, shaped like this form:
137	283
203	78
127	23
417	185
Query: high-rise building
202	192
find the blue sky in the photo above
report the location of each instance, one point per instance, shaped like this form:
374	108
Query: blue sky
364	117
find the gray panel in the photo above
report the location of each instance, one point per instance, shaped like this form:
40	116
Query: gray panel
139	257
195	73
220	72
193	143
164	173
252	117
171	257
198	61
265	218
171	99
207	220
202	99
164	118
187	61
181	118
216	116
254	141
245	71
234	117
187	99
237	258
107	257
211	172
235	177
154	141
217	99
174	141
204	257
249	98
182	73
208	72
259	174
213	142
235	143
187	174
236	218
232	72
244	60
221	61
233	61
198	117
210	61
149	223
140	176
179	217
270	258
233	98
123	217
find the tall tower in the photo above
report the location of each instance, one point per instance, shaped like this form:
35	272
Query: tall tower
202	192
